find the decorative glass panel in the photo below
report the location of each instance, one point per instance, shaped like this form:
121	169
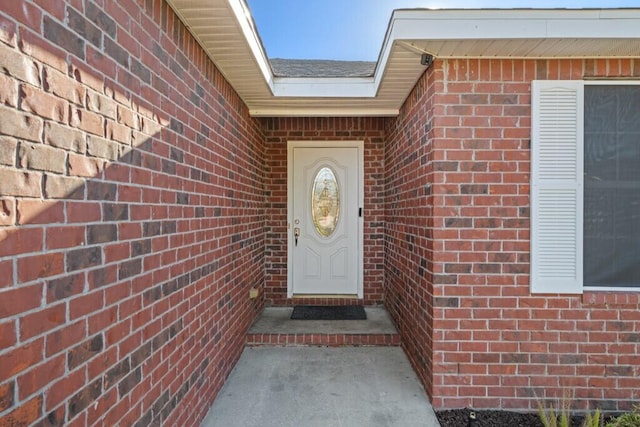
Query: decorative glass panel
325	202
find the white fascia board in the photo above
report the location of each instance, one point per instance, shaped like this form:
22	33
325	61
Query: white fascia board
605	28
413	29
344	87
244	19
322	112
514	24
464	15
620	13
385	52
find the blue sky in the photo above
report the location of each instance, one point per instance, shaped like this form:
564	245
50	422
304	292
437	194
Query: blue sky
354	29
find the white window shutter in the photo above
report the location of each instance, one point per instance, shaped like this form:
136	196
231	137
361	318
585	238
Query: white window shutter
556	186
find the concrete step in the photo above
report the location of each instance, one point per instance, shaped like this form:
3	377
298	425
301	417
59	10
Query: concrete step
275	328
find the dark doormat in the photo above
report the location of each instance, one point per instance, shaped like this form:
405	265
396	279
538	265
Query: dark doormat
328	312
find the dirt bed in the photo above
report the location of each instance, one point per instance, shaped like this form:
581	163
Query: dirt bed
488	418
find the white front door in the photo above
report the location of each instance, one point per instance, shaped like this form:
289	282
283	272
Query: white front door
325	218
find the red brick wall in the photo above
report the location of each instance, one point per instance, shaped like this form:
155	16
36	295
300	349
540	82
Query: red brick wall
280	130
409	242
132	200
131	217
494	344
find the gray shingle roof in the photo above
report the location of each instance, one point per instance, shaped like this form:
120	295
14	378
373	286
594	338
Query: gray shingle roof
321	68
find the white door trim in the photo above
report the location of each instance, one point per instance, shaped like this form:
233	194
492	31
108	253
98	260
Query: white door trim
325	144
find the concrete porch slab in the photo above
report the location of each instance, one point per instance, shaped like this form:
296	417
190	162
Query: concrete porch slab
277	320
274	327
320	386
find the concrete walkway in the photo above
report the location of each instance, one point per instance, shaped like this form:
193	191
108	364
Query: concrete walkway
322	386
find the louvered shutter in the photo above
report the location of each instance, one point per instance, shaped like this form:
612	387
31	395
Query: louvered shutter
556	186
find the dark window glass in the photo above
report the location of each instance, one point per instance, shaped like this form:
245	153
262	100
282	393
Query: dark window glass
612	185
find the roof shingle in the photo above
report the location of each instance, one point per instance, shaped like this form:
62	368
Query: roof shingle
321	68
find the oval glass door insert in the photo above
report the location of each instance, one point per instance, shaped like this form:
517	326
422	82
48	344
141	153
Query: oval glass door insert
325	202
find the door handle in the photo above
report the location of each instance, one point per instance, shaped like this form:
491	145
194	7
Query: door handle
296	234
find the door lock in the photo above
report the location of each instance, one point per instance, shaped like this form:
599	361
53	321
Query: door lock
296	234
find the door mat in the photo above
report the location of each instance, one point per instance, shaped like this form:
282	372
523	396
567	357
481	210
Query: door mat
328	312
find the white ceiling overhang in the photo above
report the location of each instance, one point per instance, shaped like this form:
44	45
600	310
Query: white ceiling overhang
226	31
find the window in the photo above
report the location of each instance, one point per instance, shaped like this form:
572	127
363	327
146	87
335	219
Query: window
585	186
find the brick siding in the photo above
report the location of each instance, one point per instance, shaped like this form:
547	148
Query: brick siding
457	279
139	203
131	217
409	210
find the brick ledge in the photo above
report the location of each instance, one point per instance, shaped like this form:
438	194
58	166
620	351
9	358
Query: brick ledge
331	340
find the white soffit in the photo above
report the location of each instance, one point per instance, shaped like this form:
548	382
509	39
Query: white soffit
226	31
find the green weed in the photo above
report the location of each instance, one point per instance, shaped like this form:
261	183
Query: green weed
629	419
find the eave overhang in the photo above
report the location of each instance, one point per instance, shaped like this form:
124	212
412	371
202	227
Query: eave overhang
226	31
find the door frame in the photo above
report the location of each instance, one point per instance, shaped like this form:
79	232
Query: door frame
325	144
